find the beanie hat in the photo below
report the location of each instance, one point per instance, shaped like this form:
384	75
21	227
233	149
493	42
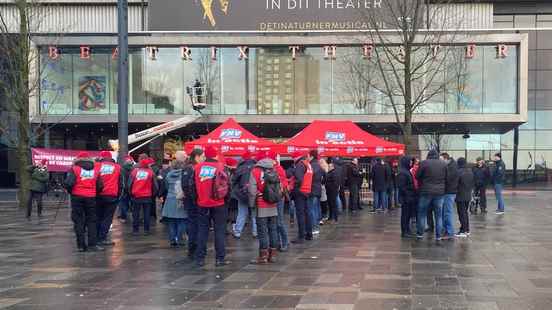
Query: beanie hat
231	162
211	152
105	154
247	155
83	155
272	155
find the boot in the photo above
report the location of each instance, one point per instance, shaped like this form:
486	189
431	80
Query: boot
262	259
472	209
272	255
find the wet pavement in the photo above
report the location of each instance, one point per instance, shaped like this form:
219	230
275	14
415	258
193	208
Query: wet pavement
362	263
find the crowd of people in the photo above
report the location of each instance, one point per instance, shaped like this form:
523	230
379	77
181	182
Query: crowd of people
196	191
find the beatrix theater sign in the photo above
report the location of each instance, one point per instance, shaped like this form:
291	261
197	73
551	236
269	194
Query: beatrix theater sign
262	15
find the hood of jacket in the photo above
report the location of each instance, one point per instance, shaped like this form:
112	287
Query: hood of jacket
266	163
86	164
247	162
404	163
173	175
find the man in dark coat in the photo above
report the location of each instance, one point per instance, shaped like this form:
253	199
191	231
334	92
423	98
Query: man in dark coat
498	177
316	192
341	173
39	186
354	178
463	196
451	187
481	175
432	176
407	195
240	181
380	177
124	203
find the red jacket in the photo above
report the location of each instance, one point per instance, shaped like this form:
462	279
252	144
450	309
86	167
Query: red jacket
282	174
257	173
85	181
203	179
306	183
142	183
110	173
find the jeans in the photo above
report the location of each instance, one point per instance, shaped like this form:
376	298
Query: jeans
396	199
192	225
241	219
218	216
291	204
332	205
35	196
268	234
137	207
448	213
123	207
313	206
177	228
380	200
463	216
498	193
104	212
339	204
354	197
281	227
436	201
304	224
83	214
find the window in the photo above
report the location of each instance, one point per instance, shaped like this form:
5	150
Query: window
233	82
91	82
56	85
500	81
163	82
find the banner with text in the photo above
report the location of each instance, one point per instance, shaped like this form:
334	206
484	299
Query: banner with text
58	160
263	15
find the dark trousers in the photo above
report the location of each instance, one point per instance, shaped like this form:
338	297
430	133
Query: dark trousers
192	226
332	205
342	197
83	214
482	197
35	196
406	214
324	209
137	207
218	216
304	220
123	207
104	213
463	216
267	232
354	197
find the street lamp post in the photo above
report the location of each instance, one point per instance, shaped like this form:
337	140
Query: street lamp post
122	78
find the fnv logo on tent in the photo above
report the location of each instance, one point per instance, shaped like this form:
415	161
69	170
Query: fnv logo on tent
230	134
335	136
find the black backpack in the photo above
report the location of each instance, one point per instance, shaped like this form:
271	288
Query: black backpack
240	182
187	181
272	191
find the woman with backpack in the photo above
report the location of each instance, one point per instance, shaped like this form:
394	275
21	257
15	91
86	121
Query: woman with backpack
265	193
173	211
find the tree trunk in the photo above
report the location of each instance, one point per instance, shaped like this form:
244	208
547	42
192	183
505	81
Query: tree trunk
408	109
22	55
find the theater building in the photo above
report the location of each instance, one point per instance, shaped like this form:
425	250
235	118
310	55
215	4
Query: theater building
277	65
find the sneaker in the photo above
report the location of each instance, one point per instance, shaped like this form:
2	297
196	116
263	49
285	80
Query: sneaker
96	248
461	235
467	234
316	232
81	250
106	243
236	236
222	262
438	238
499	212
419	237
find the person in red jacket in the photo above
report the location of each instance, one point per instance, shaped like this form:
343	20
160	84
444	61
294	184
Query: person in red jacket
283	241
211	206
83	184
108	198
302	175
142	185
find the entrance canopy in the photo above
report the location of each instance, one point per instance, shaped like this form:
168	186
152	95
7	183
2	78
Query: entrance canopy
340	138
231	139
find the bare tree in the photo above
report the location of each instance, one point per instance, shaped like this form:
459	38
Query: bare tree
412	43
436	141
207	72
355	82
20	81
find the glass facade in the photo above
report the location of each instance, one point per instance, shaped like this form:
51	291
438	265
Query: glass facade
269	81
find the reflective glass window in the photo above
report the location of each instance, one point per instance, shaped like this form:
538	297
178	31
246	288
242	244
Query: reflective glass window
203	69
464	86
313	81
163	85
500	80
56	84
233	84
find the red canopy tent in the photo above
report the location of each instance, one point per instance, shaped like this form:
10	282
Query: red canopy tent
340	138
231	139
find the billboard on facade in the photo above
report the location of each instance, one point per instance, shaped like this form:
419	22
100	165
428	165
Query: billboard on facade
263	15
